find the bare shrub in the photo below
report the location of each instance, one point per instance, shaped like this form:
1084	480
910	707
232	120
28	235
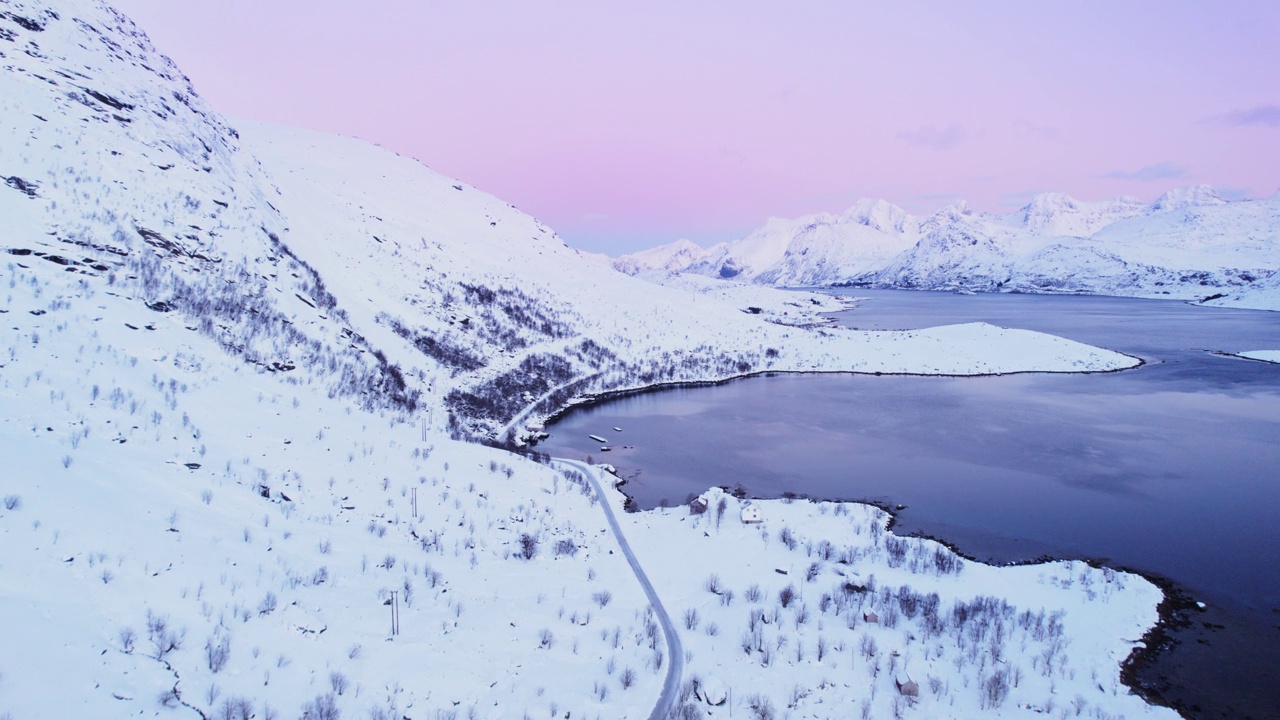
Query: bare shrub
127	640
761	708
995	689
338	682
268	604
235	708
163	638
713	584
324	707
691	619
528	546
169	698
217	650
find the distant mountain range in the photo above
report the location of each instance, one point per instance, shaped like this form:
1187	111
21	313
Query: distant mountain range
1191	243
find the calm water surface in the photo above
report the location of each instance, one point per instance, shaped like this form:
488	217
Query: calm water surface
1170	468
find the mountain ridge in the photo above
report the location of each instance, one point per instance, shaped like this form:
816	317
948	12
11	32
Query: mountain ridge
1190	243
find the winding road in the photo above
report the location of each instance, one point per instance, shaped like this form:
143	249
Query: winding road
675	653
504	435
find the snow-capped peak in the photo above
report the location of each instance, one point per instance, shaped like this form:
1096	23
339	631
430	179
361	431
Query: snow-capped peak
1045	208
878	214
1189	196
672	257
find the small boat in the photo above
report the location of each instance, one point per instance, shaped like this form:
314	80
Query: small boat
597	438
605	448
618	429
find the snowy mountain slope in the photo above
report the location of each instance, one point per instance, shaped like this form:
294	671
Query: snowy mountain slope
1190	243
227	366
122	172
806	250
1060	214
482	306
668	258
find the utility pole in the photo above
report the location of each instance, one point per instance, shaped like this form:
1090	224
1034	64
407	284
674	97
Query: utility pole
415	502
394	603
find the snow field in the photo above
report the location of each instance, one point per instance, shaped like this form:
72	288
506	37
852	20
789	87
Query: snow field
1265	355
111	536
777	617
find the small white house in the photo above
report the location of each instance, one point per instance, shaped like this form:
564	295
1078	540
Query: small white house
751	514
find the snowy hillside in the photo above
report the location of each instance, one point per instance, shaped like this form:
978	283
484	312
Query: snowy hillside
240	367
667	258
1190	243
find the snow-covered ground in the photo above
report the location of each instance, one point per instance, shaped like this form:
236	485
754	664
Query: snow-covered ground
1190	243
237	370
817	611
1265	355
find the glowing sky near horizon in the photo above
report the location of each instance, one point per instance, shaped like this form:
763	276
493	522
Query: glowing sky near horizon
629	125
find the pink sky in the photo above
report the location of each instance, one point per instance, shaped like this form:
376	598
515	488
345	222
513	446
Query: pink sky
626	126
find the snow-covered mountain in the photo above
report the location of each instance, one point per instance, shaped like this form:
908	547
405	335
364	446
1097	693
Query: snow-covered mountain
238	364
1190	243
672	257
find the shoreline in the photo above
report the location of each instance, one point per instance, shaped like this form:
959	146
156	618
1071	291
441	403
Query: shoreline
1172	611
1239	356
592	399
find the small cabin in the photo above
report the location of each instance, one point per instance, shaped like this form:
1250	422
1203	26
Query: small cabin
751	514
907	687
870	617
698	506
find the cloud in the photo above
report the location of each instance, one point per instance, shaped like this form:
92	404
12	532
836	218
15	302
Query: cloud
1160	171
934	138
1044	132
1268	115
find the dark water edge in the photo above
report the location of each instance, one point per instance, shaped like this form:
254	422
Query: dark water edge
1222	661
1206	662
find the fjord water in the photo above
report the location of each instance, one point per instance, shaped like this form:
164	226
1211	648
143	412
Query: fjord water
1171	468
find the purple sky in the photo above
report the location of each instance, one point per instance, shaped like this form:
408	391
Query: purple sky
626	126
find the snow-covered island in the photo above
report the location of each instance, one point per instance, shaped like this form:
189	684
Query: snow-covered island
243	373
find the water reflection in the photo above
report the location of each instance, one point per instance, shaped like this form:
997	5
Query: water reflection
1168	467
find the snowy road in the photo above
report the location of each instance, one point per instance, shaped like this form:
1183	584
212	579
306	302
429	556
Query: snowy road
504	435
675	653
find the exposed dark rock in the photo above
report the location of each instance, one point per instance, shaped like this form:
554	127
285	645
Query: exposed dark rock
25	23
23	186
